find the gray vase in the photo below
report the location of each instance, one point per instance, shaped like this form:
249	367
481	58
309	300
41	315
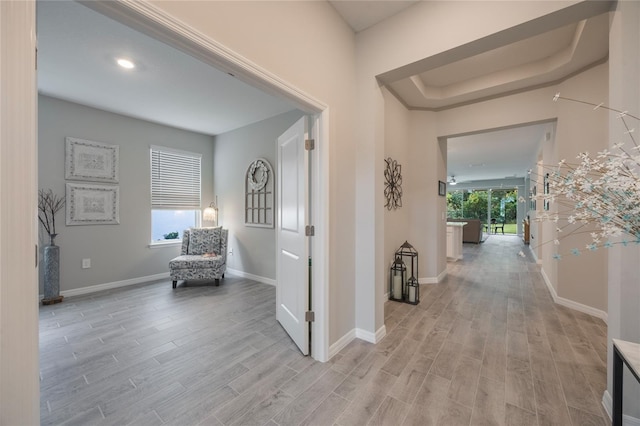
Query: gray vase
51	270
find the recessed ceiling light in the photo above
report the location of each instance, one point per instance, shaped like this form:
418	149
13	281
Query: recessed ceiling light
125	63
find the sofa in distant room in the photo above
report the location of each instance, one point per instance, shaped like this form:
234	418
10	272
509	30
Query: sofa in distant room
472	231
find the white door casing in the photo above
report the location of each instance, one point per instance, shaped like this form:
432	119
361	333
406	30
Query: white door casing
292	289
19	356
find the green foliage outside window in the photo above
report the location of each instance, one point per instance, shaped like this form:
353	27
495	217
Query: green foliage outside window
464	204
171	236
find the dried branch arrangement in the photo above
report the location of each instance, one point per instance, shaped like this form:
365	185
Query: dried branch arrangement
48	205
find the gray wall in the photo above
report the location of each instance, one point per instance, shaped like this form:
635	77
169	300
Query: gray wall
254	250
117	252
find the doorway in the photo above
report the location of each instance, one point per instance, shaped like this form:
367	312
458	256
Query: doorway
169	31
20	124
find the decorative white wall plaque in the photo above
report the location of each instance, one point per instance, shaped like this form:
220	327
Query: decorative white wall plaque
93	161
259	209
92	204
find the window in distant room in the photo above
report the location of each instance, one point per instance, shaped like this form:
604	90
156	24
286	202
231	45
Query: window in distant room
175	193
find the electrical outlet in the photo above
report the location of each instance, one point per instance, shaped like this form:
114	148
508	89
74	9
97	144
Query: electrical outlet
86	263
231	252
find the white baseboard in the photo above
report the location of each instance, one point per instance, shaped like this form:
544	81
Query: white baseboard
607	403
533	254
258	278
356	333
433	280
370	337
570	303
341	343
149	278
115	284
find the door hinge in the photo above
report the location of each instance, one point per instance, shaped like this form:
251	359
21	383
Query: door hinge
309	316
309	230
309	144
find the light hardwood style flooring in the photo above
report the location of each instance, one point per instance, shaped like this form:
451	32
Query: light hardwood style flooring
487	346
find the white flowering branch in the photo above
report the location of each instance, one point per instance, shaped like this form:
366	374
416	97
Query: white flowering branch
599	194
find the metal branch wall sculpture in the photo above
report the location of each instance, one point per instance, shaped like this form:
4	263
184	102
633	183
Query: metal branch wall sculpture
393	184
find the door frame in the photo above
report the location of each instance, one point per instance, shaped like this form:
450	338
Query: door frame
149	19
19	302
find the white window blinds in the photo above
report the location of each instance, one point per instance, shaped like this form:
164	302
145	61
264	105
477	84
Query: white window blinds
175	179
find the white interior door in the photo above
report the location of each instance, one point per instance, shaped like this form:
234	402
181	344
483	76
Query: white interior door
292	290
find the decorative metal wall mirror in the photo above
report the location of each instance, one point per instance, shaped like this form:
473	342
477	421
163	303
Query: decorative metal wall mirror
258	200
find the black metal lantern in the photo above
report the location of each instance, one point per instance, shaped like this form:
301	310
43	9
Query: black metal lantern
411	289
397	279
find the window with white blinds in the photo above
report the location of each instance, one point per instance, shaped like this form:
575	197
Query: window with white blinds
175	179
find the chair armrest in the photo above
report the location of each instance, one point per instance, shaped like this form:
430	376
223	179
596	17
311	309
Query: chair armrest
185	242
224	234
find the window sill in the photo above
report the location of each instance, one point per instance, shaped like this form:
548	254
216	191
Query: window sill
163	244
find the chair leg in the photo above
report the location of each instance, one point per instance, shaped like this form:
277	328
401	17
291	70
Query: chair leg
174	284
217	282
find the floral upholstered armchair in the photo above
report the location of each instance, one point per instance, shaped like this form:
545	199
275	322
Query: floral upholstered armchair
203	255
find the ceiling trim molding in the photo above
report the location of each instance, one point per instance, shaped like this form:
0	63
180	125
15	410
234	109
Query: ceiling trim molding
399	98
574	13
155	22
497	129
500	95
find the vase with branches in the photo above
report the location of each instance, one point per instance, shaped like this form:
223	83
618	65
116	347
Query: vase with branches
48	205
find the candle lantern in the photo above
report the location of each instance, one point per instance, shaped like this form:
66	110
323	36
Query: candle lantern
397	279
411	289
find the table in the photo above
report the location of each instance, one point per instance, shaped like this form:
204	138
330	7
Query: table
492	228
624	353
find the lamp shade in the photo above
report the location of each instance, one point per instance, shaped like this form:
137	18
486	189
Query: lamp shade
209	214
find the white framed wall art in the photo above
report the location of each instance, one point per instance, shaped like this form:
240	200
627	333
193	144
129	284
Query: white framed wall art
91	204
91	161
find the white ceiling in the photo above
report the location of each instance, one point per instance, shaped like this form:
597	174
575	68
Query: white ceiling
362	14
77	48
507	65
501	154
